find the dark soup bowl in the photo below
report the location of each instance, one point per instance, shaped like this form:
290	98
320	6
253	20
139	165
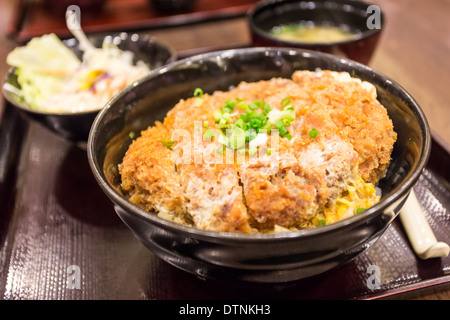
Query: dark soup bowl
362	22
75	126
254	258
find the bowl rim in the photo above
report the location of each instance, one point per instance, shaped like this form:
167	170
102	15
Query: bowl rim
392	198
264	5
23	106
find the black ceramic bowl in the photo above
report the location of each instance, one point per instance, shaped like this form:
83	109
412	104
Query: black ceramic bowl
259	257
76	126
351	14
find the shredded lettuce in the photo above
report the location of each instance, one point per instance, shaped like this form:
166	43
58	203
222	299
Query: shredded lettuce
46	54
41	67
37	86
53	79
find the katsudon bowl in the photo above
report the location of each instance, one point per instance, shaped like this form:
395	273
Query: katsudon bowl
255	258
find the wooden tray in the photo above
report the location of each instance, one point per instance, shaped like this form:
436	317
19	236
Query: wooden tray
31	18
54	216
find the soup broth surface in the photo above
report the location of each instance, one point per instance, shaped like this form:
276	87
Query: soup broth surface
311	33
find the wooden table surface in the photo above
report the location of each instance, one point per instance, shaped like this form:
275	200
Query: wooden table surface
414	51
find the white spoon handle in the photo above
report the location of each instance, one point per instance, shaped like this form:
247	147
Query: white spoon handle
73	24
419	232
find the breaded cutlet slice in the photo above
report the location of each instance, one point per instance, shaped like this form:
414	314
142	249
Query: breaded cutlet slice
209	182
351	107
148	174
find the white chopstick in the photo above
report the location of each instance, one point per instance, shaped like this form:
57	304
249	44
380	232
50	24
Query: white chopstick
419	232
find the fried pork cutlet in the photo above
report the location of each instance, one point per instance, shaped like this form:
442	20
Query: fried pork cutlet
216	162
149	176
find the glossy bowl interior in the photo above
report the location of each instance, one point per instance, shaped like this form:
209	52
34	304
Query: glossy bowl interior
261	257
352	14
76	126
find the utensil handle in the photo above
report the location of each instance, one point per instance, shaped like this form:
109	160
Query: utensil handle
419	232
74	25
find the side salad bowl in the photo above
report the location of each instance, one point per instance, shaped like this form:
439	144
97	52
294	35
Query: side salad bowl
75	126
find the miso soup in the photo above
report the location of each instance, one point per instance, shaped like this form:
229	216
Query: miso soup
311	33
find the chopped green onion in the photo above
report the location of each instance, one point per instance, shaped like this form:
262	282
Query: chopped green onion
313	133
252	121
217	116
241	151
322	222
240	124
278	124
220	149
285	102
230	104
227	117
253	106
168	142
205	124
288	114
223	124
226	110
266	127
131	135
248	110
208	134
242	105
283	131
359	210
235	138
260	104
250	134
255	123
198	93
269	151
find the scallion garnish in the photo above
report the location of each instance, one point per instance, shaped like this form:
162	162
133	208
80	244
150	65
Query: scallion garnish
359	210
285	102
241	152
217	116
252	121
313	133
208	134
220	149
235	138
242	105
252	151
250	134
198	93
168	142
